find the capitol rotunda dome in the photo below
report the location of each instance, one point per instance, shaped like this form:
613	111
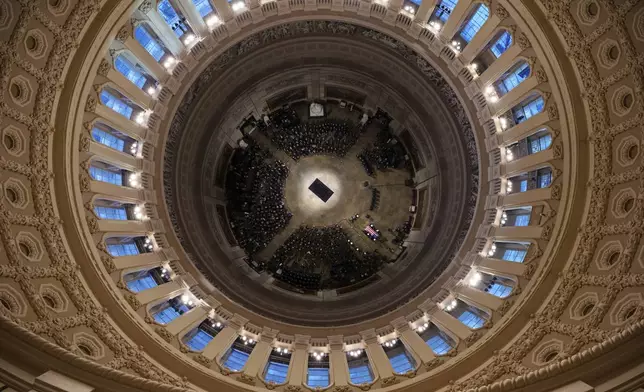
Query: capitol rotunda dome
321	195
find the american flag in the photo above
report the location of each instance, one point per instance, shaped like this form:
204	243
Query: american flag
371	231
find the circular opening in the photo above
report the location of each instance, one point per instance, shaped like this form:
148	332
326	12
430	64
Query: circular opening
24	249
9	142
628	204
5	303
630	312
613	258
86	350
585	311
31	43
550	356
49	301
592	9
54	3
613	52
11	195
632	151
627	101
15	90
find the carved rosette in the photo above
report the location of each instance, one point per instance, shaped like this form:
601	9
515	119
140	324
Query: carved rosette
108	262
165	334
124	33
92	223
501	12
246	379
202	360
90	105
523	41
104	67
294	388
133	301
342	388
146	6
392	380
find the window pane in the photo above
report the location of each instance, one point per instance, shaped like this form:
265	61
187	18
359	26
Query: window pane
236	360
149	43
514	78
524	185
143	283
106	176
128	249
166	315
500	290
522	220
116	104
108	139
515	255
360	374
444	8
203	6
199	341
129	70
438	345
171	17
475	23
544	180
318	377
276	372
471	320
502	44
401	363
115	213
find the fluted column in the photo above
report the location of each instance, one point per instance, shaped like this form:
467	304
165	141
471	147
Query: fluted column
412	341
528	197
377	356
187	320
514	97
299	360
455	18
162	30
123	160
479	297
141	260
122	192
522	164
121	122
499	65
130	226
448	322
188	9
160	292
154	68
258	358
424	10
338	359
525	128
482	37
129	89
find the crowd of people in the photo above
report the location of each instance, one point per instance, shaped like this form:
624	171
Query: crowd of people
319	258
255	193
326	136
385	153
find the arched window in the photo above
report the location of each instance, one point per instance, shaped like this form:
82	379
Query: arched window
471	320
108	139
111	213
149	42
399	358
100	171
470	316
513	78
317	375
501	44
116	103
359	367
524	111
203	7
516	255
438	345
443	10
146	279
514	217
132	72
237	355
277	367
170	310
475	22
128	246
539	142
499	290
176	22
198	338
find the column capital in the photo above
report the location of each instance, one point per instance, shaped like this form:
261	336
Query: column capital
237	321
427	306
268	335
336	342
369	336
400	324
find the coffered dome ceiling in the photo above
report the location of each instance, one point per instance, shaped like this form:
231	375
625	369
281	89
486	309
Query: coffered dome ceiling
548	122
